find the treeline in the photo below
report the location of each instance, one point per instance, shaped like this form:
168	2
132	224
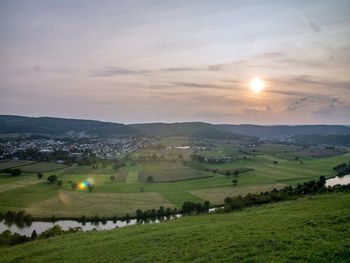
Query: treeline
20	218
155	213
12	171
188	208
7	238
287	193
342	169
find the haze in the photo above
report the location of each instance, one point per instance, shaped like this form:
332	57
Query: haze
148	61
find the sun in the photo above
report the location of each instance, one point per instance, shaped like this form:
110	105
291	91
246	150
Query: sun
257	85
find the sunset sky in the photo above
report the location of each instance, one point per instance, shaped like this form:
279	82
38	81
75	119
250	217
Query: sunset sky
147	61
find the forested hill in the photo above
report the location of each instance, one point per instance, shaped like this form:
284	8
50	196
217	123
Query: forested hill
188	129
285	130
60	126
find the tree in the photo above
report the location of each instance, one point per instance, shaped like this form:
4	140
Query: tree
234	181
322	181
52	179
16	171
139	213
73	185
149	179
236	173
59	183
90	187
40	175
113	178
34	235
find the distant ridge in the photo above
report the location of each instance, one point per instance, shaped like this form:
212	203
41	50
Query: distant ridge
285	130
61	126
10	124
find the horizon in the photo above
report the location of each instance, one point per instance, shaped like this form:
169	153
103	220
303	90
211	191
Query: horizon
161	122
270	63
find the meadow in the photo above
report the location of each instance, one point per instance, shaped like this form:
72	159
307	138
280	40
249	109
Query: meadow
123	191
310	229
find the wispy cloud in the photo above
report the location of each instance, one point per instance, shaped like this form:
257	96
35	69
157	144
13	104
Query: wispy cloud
115	71
311	24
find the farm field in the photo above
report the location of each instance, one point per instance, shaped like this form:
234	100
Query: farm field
42	167
173	182
165	171
311	229
13	164
75	204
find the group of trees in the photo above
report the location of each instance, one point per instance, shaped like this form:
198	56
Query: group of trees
197	158
53	179
118	164
287	193
13	171
20	218
190	208
7	238
342	169
154	214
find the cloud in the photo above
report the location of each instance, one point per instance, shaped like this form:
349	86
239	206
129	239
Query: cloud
115	71
311	24
319	105
298	104
312	81
194	85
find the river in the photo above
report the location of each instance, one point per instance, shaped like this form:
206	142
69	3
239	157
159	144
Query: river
342	180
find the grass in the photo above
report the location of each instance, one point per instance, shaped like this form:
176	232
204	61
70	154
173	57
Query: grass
76	204
13	164
312	229
21	198
42	167
165	171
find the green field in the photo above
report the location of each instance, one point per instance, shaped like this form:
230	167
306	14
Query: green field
174	183
13	164
311	229
166	171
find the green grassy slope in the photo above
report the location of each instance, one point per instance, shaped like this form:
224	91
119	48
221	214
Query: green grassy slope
312	229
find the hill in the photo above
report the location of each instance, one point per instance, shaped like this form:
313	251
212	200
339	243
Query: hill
312	229
285	130
187	129
75	127
60	126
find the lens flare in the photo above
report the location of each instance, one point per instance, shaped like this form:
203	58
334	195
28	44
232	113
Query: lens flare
82	185
85	184
90	181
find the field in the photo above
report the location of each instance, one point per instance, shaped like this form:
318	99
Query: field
31	167
13	164
312	229
42	167
117	192
68	203
165	171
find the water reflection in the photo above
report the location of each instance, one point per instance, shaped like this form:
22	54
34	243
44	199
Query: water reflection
41	226
343	180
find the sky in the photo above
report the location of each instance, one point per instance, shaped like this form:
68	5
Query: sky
180	60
